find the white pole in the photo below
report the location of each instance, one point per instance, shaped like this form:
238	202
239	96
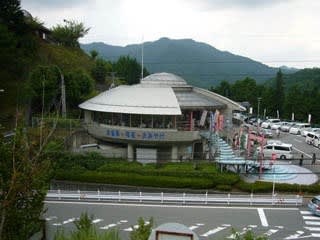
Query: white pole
274	181
142	59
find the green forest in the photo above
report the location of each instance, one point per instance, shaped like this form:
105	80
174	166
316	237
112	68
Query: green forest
296	93
33	65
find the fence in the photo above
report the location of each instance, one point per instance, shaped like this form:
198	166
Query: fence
176	198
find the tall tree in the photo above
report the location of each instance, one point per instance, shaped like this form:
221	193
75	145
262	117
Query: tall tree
94	54
69	34
279	96
24	177
100	70
129	69
12	15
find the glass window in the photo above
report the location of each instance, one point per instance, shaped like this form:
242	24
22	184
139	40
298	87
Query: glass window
135	120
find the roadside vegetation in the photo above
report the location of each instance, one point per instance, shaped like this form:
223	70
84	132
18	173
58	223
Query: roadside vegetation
94	168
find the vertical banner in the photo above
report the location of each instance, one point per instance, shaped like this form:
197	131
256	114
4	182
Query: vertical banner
264	113
216	120
278	114
309	118
212	121
191	123
203	117
292	117
250	110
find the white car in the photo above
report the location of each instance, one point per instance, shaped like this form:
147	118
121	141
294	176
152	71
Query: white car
278	125
306	131
286	127
316	140
282	150
269	122
312	138
299	127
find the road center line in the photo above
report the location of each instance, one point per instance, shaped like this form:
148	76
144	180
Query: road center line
306	154
263	218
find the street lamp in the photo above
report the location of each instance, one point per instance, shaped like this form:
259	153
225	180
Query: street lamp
259	100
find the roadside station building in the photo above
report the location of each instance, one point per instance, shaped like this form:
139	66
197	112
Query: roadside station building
158	119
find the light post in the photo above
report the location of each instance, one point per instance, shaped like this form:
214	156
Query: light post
258	113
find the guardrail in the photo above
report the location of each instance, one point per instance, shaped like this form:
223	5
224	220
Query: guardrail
176	198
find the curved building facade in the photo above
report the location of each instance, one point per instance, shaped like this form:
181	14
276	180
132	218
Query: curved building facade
159	119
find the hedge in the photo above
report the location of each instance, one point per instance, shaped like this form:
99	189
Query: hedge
135	179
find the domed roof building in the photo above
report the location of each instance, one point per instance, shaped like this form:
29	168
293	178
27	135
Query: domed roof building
161	117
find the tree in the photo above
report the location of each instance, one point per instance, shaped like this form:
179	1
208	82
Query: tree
69	34
85	229
223	89
129	69
100	70
279	96
43	87
94	54
24	177
12	15
143	231
79	86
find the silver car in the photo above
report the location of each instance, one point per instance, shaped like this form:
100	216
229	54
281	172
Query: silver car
314	205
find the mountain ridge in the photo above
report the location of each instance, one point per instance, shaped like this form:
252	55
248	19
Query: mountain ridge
199	63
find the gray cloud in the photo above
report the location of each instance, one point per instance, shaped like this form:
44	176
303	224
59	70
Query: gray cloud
56	4
220	4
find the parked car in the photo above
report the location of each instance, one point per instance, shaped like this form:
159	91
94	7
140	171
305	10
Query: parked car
269	122
314	205
316	140
282	150
286	127
276	125
306	131
267	133
311	138
299	127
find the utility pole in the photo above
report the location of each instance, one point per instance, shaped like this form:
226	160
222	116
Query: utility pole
63	94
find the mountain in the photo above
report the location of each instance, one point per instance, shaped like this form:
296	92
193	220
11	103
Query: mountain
198	63
308	78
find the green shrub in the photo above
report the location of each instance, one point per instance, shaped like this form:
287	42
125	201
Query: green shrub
225	188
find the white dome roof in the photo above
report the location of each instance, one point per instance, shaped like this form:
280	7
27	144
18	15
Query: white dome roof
164	78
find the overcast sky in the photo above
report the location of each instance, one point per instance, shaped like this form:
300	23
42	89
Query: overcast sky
275	32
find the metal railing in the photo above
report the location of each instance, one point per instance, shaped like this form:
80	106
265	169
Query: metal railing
176	198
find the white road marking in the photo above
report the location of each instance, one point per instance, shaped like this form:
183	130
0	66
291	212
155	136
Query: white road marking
213	231
108	226
280	227
226	225
306	154
68	221
295	236
57	224
200	224
270	232
315	235
193	227
311	218
168	206
130	229
97	220
305	212
50	218
263	218
244	230
312	223
313	228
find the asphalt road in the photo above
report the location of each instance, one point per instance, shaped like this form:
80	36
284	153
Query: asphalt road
209	222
